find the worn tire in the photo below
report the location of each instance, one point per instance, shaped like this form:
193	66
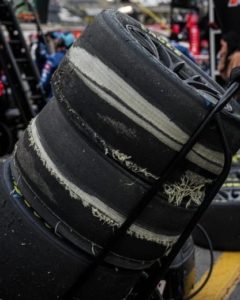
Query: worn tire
84	165
127	89
35	261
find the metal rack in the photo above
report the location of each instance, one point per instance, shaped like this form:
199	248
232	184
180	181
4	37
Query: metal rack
213	33
157	274
18	65
35	20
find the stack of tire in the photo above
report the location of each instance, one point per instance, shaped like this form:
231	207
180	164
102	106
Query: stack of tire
125	102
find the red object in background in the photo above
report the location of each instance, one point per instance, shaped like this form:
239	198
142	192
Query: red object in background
1	88
194	33
175	28
233	3
77	32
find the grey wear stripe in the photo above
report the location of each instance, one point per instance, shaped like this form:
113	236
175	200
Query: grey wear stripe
158	124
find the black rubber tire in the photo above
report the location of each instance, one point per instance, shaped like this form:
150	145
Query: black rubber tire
221	220
125	97
37	264
115	187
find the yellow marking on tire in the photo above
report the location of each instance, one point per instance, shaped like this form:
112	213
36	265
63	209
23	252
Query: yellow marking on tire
225	276
17	190
231	184
47	225
36	215
27	203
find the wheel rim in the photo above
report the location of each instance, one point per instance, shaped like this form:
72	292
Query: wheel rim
175	63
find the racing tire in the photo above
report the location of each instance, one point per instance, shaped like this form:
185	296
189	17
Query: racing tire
37	263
